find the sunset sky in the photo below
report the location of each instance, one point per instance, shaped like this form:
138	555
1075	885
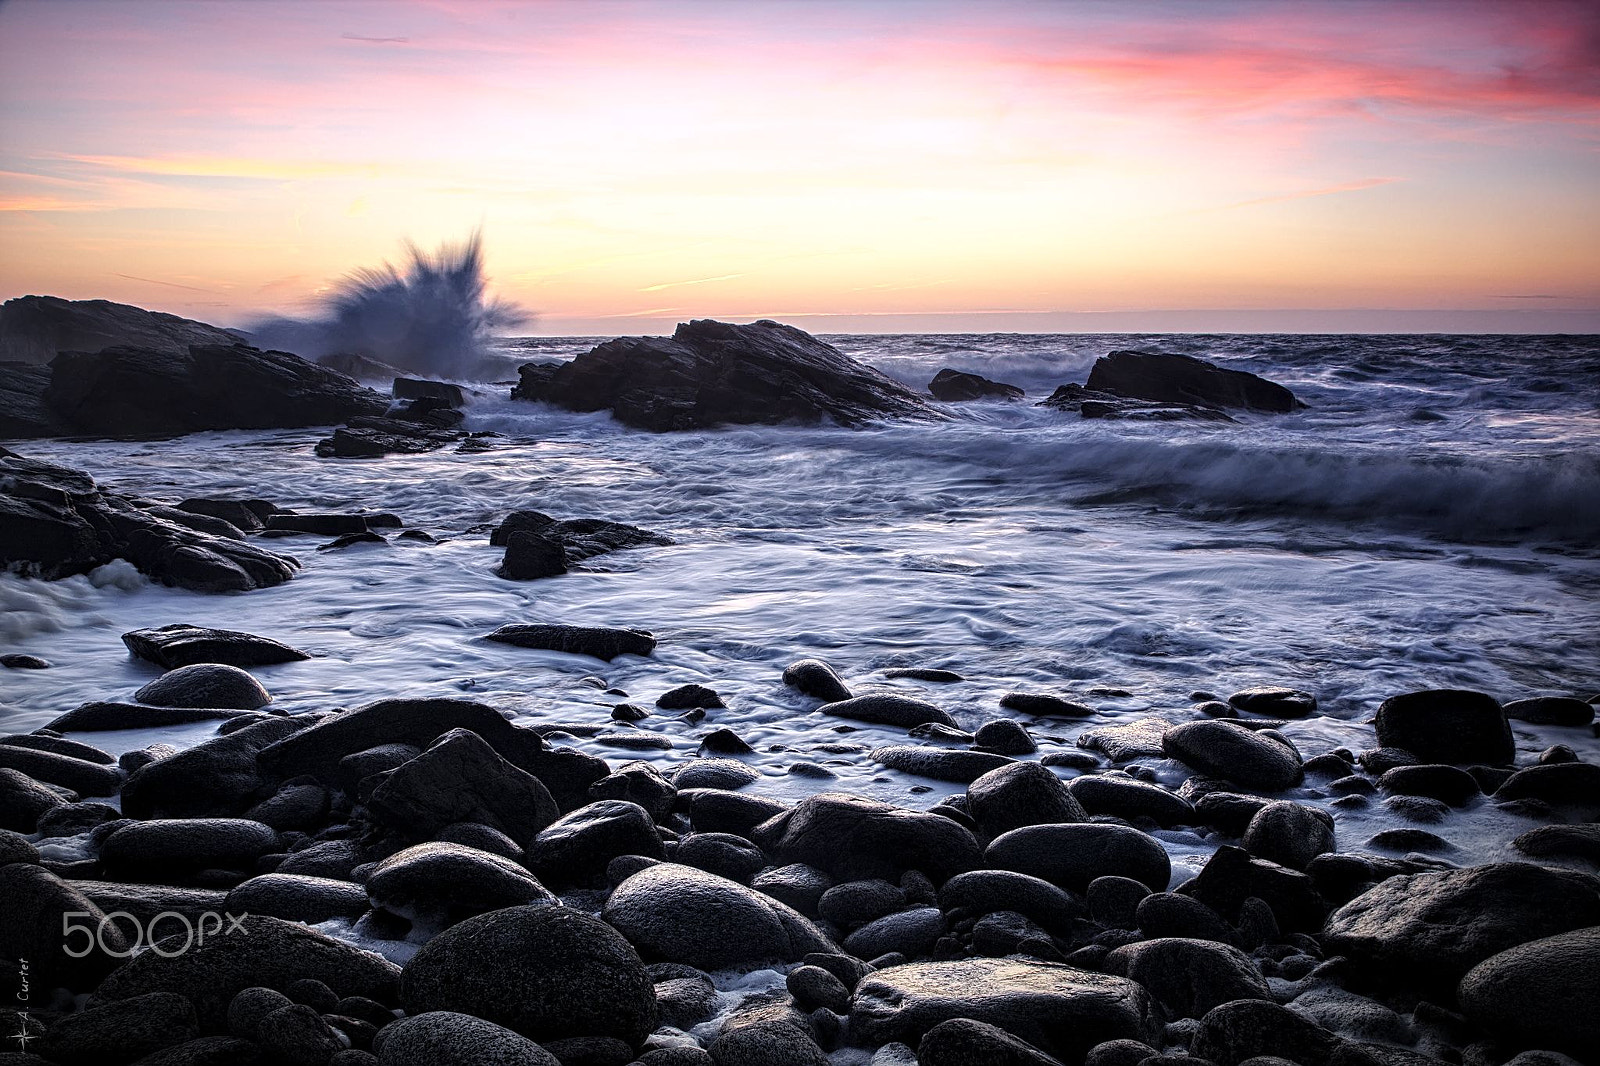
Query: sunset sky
900	164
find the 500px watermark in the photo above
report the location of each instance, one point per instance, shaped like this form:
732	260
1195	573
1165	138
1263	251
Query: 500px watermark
92	932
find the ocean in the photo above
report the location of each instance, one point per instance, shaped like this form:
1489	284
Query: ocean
1431	520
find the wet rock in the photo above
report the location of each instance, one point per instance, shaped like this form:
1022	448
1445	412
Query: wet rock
23	413
924	673
723	854
530	556
1247	1028
1539	994
1124	797
1551	710
641	783
1041	705
460	778
177	847
1426	930
128	390
297	898
1189	977
546	972
988	891
1450	784
1275	702
411	432
1289	834
1095	403
1162	915
39	908
1558	784
814	987
174	646
910	933
709	373
55	522
725	742
718	811
686	697
16	661
1121	743
299	1036
599	643
259	951
1059	1009
319	750
121	1032
1231	877
205	685
681	914
855	903
1183	379
796	885
79	775
437	884
964	1042
1447	726
853	839
1254	759
1073	855
815	678
714	773
103	716
955	386
1004	737
1021	794
245	515
1579	841
450	1038
23	801
881	708
576	848
299	804
35	329
941	764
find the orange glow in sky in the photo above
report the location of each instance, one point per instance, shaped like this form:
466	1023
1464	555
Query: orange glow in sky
634	163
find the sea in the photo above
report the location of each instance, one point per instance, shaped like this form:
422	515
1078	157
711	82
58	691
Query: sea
1430	520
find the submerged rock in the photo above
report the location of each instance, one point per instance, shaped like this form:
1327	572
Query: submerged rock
710	373
370	437
540	546
600	643
1093	403
953	386
884	708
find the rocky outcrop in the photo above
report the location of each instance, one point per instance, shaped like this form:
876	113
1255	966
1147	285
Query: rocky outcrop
710	373
35	329
55	522
23	413
151	392
1092	403
539	546
1183	379
955	386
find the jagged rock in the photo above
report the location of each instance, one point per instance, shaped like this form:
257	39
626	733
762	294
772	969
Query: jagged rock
35	329
710	373
23	413
136	391
1163	378
184	645
953	386
55	522
416	389
368	437
243	514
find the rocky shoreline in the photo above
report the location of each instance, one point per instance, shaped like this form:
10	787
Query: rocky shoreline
536	903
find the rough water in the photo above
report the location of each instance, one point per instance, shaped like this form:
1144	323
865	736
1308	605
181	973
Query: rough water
1430	521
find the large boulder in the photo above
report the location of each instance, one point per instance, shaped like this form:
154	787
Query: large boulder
1059	1009
65	938
1019	794
680	914
139	391
178	645
216	779
205	685
546	972
577	847
448	1038
1071	855
1540	995
248	952
1184	379
709	373
853	839
437	884
162	848
1189	977
35	329
55	522
1429	929
1447	726
954	386
462	779
1258	759
23	413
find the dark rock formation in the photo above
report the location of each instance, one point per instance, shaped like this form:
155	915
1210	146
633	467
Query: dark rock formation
1447	726
954	386
145	392
1540	994
370	436
600	643
540	546
1260	759
35	329
23	413
1091	403
853	838
711	373
417	389
55	522
1184	379
183	645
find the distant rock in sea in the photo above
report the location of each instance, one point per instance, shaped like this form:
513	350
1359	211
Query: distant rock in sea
709	373
35	329
1183	379
953	386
